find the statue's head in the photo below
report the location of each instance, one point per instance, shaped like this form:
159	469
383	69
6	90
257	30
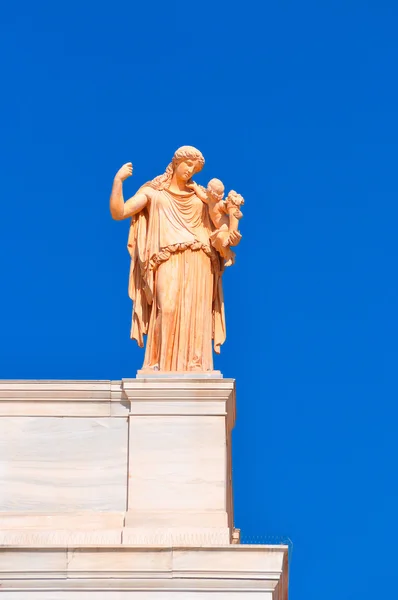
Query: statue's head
187	161
235	198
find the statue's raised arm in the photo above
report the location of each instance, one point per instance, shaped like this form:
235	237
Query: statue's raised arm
118	207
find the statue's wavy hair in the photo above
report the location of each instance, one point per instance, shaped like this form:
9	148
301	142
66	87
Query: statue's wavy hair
162	182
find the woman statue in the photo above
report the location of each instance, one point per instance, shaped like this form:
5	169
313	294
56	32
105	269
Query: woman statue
175	274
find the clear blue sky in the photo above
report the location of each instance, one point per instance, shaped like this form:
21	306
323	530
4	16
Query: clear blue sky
294	105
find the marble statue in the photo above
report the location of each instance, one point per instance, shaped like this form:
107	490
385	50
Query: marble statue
179	241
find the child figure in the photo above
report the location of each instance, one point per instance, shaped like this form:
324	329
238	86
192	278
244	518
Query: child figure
224	214
233	203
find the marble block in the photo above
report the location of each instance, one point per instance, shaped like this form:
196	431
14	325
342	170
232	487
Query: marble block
57	465
137	461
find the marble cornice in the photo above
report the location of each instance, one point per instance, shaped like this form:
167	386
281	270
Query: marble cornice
118	398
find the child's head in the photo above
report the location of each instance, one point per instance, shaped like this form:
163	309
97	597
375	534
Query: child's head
235	198
215	188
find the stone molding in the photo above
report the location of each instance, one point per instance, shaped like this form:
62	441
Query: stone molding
176	536
181	396
59	398
119	398
230	568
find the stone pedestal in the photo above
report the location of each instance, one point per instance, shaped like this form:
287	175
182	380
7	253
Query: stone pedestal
114	488
179	486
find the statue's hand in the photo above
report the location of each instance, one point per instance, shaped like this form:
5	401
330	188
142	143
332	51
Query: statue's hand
125	171
199	191
234	238
193	186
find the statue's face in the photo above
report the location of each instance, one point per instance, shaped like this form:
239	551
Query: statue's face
185	169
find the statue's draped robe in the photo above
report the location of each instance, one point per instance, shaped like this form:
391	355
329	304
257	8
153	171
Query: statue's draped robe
175	283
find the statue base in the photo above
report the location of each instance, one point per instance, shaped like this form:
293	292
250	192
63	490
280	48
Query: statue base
151	373
111	485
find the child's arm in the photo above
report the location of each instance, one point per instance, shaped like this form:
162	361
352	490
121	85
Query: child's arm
199	191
